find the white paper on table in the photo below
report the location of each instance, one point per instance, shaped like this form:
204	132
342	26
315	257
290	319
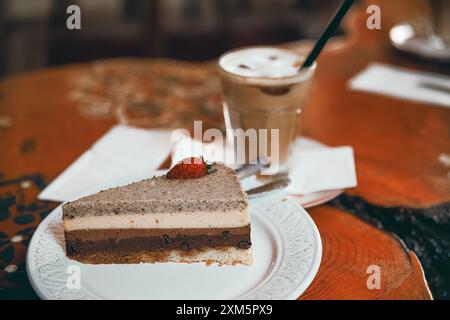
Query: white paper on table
122	152
404	84
319	169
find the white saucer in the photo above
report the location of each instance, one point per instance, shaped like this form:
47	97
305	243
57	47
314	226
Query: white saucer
404	38
287	251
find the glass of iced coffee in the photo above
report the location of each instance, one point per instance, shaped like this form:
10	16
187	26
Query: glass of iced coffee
264	88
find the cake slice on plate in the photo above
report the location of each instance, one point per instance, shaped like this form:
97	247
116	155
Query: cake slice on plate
195	213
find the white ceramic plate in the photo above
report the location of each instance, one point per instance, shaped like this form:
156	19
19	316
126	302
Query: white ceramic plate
286	246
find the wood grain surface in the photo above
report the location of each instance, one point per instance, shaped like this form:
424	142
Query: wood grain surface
350	246
52	116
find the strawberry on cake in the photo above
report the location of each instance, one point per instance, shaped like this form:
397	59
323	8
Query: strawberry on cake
195	213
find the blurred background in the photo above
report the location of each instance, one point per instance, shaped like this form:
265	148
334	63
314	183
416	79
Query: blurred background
33	33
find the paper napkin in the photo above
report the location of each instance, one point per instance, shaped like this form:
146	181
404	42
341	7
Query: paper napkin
404	84
122	152
321	168
316	167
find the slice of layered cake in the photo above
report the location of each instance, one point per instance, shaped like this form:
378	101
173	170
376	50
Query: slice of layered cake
195	213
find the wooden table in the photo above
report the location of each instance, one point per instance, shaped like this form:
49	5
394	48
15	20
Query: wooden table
48	118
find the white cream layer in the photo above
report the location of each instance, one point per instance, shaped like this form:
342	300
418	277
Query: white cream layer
186	220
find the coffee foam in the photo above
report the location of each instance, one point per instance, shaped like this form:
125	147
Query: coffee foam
261	62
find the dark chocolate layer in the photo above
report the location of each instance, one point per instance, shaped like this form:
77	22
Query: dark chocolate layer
83	242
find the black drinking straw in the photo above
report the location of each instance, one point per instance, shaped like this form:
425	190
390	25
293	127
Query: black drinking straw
327	33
